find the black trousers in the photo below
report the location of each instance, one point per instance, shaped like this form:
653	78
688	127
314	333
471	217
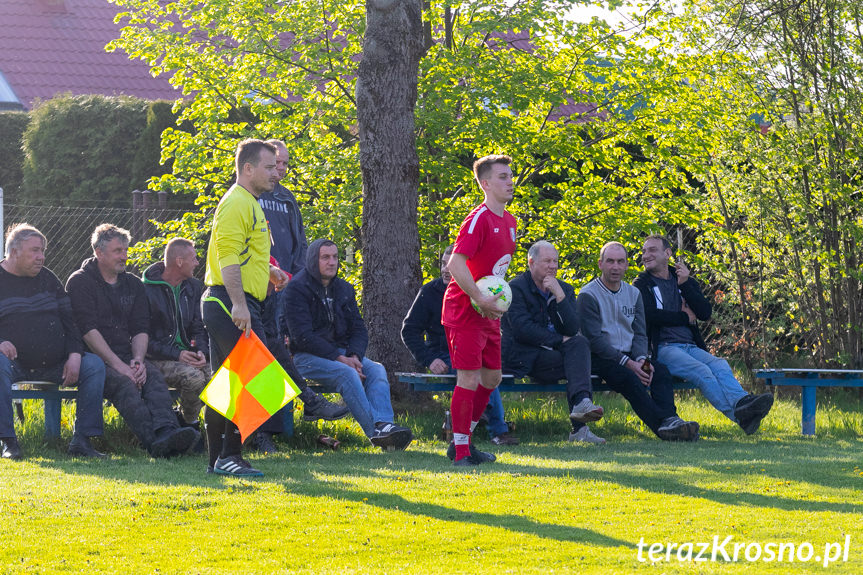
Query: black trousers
223	437
652	404
570	362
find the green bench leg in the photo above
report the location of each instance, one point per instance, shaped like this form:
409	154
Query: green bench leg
52	418
288	414
808	404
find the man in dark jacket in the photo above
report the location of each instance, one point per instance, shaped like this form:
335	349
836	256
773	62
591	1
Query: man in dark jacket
541	339
40	341
673	304
424	336
112	312
179	345
329	339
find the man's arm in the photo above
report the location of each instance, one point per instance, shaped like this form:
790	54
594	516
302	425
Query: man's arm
564	312
461	274
639	331
528	328
99	346
591	327
415	324
232	279
691	292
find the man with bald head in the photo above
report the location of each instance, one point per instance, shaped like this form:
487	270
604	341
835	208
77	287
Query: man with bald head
541	339
179	345
612	319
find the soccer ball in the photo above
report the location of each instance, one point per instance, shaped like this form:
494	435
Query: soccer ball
495	285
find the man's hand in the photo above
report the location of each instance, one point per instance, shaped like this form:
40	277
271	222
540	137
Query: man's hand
637	368
682	272
139	370
684	307
550	284
488	305
241	317
71	370
278	278
354	362
7	348
193	358
438	367
124	369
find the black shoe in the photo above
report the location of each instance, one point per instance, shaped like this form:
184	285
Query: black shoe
11	449
475	454
80	446
264	443
321	408
751	409
174	442
676	429
236	466
466	462
391	437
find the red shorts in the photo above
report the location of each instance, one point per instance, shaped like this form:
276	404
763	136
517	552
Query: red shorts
474	347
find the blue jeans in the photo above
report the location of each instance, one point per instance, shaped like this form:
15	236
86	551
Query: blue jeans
368	399
91	381
711	374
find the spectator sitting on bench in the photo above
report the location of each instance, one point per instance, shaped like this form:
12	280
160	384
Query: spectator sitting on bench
673	304
612	319
179	345
424	336
113	314
329	339
40	341
541	339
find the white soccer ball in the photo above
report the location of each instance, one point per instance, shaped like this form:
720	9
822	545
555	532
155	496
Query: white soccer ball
494	285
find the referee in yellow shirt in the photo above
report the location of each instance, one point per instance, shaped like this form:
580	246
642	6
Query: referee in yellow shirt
238	271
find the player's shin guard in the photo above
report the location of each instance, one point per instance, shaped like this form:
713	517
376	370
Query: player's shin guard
461	408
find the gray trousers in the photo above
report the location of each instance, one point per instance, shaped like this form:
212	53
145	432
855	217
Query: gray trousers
147	410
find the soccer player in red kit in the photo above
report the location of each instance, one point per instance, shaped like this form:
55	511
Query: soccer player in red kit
485	244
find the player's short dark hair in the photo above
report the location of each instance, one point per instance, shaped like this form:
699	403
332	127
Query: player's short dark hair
249	152
666	245
482	166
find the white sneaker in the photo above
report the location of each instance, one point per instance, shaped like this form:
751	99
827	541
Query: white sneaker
586	411
585	435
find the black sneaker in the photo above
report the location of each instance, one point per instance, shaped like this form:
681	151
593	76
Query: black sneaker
10	448
466	462
475	454
322	408
391	437
80	446
264	443
235	466
174	442
751	409
676	429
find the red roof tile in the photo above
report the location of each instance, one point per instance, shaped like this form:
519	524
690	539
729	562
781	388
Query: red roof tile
50	47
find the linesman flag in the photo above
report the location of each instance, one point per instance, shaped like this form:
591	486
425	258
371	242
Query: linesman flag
250	386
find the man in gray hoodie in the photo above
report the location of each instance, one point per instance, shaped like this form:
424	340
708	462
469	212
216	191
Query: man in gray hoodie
612	319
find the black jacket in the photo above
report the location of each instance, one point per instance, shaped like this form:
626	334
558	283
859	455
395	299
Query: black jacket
316	327
119	312
525	325
422	332
165	325
690	290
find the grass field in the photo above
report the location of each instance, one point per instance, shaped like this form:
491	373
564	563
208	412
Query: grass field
545	506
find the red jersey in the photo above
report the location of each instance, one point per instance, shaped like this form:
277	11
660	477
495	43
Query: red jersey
488	242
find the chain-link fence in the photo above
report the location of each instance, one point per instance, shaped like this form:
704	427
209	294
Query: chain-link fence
68	228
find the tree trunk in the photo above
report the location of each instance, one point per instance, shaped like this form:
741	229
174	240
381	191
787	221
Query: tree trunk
386	94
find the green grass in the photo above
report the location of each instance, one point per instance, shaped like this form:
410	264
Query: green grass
545	506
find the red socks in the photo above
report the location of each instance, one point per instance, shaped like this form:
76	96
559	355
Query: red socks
461	409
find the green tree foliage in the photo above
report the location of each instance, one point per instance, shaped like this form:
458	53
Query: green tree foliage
12	126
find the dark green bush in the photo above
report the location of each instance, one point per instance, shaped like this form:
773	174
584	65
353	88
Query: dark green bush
83	148
12	126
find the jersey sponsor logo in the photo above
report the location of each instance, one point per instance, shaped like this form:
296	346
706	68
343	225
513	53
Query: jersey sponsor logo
501	266
496	230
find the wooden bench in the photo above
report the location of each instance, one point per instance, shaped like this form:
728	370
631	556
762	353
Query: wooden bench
431	382
809	380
